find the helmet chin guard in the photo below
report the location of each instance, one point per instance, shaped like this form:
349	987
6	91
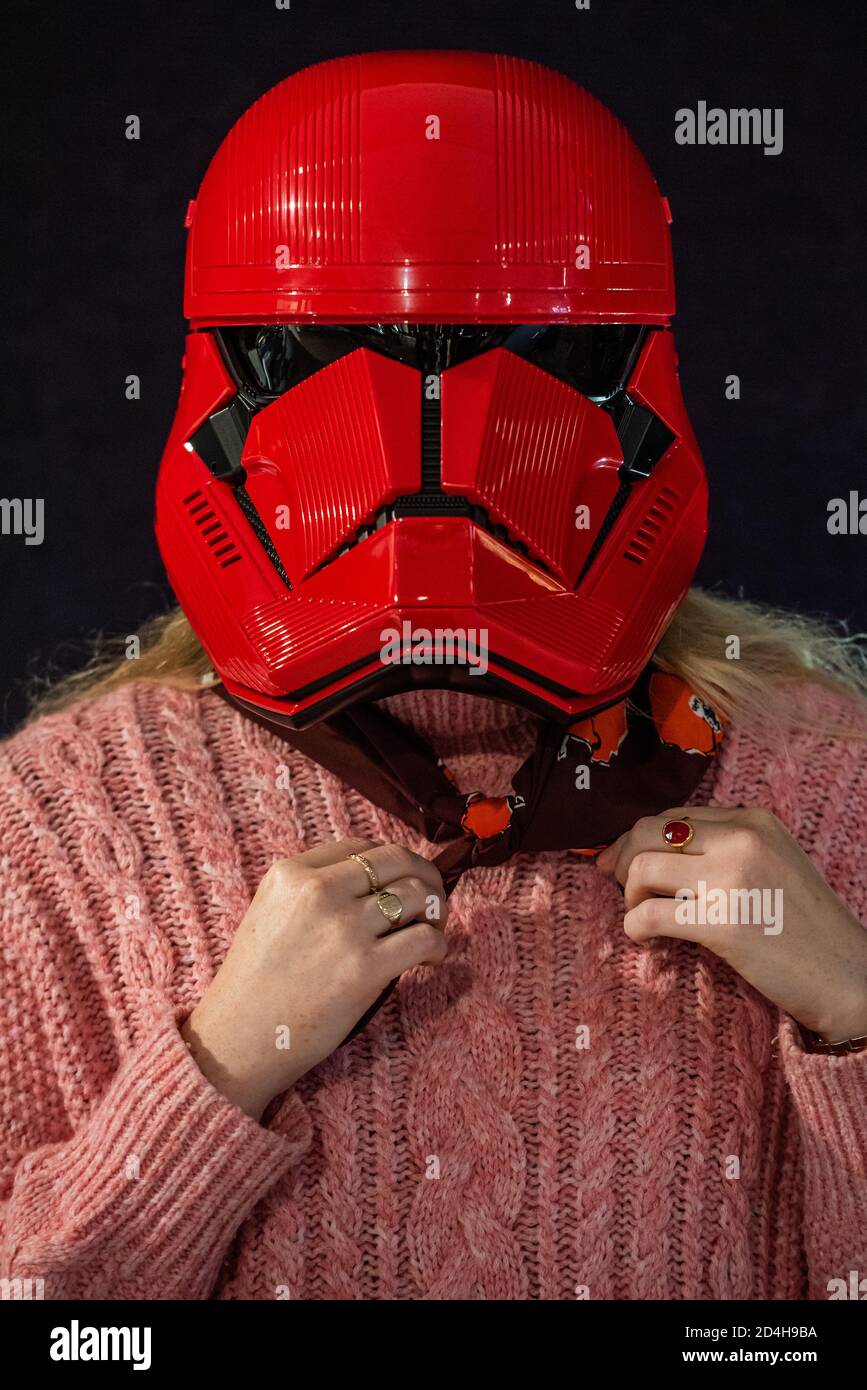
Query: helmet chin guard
430	430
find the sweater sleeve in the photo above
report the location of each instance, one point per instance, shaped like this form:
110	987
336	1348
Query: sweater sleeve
124	1174
144	1198
829	1093
830	1097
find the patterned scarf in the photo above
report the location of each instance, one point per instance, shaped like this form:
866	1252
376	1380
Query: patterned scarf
582	786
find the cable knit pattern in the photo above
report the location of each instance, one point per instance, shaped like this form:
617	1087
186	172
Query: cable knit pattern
553	1113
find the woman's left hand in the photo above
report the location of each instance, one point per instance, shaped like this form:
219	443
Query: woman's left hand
797	943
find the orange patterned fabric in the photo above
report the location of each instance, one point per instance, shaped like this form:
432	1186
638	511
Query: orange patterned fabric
486	816
682	718
603	732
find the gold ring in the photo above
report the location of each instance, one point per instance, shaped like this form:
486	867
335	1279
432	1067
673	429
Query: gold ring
368	869
390	906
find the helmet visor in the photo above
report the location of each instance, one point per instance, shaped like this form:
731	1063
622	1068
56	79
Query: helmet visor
595	359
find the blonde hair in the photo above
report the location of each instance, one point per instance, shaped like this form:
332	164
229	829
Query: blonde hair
778	654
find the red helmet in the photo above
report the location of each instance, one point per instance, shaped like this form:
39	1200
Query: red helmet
430	429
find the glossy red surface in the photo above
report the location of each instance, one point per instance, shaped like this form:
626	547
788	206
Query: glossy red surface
328	199
677	832
384	224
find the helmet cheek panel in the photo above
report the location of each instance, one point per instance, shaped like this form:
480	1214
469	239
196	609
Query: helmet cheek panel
540	458
206	388
325	457
655	383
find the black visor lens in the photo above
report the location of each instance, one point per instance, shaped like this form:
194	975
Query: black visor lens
595	359
271	359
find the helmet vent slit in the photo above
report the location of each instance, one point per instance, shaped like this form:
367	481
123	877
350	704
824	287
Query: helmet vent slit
214	534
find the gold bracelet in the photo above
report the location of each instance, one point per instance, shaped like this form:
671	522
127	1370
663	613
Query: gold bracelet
833	1049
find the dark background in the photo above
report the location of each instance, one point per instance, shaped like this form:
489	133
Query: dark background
769	258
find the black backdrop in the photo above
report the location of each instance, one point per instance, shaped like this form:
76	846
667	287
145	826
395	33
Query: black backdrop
769	257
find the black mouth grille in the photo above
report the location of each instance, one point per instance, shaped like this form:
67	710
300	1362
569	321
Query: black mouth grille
431	500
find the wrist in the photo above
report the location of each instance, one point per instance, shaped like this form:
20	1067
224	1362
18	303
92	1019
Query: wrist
842	1014
843	1024
846	1027
223	1066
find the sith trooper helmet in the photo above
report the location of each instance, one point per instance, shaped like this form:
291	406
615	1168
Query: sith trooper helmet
430	429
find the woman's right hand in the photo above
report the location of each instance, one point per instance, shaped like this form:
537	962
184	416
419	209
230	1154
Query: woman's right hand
312	954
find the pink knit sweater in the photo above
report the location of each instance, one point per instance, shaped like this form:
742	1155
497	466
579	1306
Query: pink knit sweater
463	1146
